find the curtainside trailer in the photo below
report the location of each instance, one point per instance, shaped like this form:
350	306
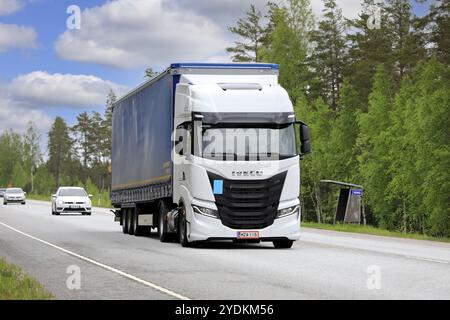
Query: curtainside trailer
209	152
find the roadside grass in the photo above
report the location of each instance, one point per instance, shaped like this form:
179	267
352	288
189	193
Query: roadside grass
104	203
355	228
15	285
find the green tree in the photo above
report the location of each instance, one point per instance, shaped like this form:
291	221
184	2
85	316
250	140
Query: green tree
407	45
344	135
83	131
149	73
60	149
19	178
434	27
32	154
431	136
253	34
315	166
107	126
44	181
288	44
372	141
329	55
10	154
368	48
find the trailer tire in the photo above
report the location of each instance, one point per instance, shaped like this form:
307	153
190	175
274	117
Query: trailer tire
283	244
124	221
162	222
139	231
130	221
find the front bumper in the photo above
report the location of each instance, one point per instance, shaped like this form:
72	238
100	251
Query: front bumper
21	200
73	208
203	228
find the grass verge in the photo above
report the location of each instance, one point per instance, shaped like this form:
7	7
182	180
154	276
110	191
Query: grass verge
354	228
15	285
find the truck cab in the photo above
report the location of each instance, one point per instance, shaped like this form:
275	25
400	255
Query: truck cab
234	166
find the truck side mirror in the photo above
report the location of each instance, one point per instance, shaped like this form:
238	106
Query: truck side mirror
305	139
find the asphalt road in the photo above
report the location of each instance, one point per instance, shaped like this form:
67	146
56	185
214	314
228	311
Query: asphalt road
322	265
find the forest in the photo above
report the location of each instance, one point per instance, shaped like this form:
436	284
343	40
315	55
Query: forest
374	90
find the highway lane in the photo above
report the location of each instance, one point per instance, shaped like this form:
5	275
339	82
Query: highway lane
322	265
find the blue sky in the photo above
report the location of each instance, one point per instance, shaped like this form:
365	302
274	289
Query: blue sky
47	70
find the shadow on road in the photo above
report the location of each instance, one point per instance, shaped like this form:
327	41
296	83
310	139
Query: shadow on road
224	245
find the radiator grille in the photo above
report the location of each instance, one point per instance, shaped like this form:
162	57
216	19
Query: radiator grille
248	204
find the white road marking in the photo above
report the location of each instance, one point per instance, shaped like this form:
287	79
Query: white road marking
427	259
101	265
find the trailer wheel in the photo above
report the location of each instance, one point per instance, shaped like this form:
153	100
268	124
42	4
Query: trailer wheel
182	228
138	230
283	244
124	221
130	221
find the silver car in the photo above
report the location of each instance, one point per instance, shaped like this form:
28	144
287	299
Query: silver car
14	195
71	200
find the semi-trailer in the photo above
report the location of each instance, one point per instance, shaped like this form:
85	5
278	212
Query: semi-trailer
209	152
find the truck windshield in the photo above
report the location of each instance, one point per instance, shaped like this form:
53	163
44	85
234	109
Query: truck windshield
249	143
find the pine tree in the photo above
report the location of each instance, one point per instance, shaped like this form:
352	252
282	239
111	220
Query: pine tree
288	44
407	45
84	137
60	149
434	27
107	126
368	48
329	55
252	33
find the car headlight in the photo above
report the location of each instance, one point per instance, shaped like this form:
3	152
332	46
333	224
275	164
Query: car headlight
59	202
206	212
88	202
287	211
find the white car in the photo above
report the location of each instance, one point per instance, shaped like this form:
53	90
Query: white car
70	200
14	195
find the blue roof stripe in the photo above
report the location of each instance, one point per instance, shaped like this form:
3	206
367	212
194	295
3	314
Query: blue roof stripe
225	65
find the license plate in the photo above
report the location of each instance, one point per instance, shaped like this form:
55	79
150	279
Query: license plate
247	235
74	207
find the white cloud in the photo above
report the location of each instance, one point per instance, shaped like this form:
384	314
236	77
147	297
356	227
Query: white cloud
136	33
14	36
8	7
42	89
15	115
350	8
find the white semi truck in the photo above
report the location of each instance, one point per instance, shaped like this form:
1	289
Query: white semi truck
208	152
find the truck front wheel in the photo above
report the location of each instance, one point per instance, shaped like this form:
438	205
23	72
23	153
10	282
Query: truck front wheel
162	225
182	228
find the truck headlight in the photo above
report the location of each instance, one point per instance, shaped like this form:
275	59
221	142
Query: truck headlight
206	212
287	211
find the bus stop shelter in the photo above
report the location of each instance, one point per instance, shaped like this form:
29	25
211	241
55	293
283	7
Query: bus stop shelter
350	208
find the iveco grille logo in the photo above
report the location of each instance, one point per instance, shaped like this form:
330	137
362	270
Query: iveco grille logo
247	173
